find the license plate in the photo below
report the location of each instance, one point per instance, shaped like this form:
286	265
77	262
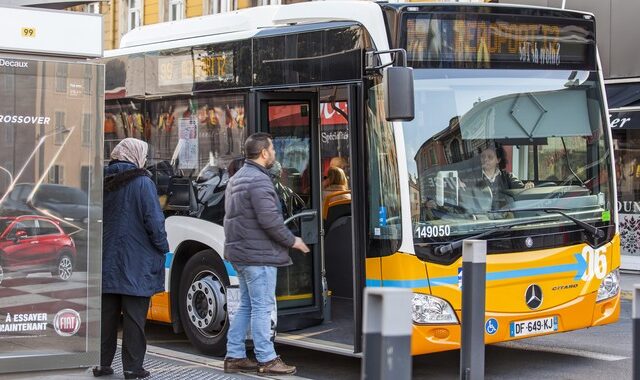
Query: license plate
533	326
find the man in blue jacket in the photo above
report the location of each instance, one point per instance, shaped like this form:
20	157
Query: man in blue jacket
134	243
256	242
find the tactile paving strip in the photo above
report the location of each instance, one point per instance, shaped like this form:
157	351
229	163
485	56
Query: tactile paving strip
167	369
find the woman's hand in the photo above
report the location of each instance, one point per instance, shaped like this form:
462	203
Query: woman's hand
529	185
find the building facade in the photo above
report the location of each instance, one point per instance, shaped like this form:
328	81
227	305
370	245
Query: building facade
121	16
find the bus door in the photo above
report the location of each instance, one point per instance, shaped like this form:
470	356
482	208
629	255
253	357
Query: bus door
291	119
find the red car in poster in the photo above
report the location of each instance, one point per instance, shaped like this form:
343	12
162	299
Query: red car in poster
31	243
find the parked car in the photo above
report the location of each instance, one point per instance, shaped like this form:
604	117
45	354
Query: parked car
32	243
70	204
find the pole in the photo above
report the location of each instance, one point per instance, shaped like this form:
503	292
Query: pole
474	265
635	316
387	334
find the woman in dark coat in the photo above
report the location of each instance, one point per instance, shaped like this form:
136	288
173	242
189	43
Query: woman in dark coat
134	246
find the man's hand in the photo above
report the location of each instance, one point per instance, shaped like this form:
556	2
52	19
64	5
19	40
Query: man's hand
300	245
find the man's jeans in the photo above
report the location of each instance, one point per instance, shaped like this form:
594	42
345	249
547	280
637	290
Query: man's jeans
257	300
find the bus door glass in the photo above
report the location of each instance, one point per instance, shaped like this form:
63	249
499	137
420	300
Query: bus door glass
291	119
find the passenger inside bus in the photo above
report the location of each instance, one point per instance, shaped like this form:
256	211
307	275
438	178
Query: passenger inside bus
336	182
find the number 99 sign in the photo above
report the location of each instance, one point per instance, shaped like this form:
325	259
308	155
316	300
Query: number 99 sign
28	32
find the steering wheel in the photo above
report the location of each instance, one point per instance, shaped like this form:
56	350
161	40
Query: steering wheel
476	199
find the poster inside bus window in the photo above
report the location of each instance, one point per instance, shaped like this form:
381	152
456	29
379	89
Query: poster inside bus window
486	41
50	206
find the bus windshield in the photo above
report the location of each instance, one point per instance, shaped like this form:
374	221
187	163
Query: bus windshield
487	143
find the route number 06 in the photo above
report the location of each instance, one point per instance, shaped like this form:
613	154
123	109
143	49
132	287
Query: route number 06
433	231
596	263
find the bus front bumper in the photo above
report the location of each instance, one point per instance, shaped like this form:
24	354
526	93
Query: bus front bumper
579	313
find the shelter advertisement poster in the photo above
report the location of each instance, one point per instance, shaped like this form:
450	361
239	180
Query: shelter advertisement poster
51	116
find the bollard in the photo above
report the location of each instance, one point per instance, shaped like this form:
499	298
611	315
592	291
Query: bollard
387	334
635	315
474	275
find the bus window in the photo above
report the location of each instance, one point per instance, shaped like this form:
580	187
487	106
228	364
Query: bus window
384	187
334	148
197	137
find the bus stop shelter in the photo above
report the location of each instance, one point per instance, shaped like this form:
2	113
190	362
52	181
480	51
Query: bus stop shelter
51	120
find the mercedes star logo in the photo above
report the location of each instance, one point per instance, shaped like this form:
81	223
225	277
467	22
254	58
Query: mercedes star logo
533	296
528	242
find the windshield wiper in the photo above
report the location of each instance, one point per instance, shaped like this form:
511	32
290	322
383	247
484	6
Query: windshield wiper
444	249
594	231
566	157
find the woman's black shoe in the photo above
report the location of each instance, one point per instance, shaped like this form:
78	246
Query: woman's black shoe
102	371
137	374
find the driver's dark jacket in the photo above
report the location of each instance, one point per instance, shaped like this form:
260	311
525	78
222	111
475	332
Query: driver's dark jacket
503	181
254	229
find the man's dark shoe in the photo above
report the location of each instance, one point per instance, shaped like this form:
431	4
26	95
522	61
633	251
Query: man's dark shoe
137	374
232	365
276	367
102	371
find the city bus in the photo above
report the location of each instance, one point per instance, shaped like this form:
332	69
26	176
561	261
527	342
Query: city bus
520	85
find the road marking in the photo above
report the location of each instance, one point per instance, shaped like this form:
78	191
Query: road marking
561	350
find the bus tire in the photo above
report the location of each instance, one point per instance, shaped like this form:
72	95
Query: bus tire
203	303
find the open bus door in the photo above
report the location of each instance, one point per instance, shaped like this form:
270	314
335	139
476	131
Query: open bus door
291	119
319	296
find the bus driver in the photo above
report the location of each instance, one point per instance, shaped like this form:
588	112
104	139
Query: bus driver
495	176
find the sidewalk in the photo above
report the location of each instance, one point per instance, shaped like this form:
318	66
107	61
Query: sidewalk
162	363
160	366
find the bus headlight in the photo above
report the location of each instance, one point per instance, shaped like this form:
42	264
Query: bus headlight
609	286
430	309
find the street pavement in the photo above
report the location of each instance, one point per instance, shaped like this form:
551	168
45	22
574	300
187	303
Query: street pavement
600	352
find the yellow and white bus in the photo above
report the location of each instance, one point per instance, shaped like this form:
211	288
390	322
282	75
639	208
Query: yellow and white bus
524	83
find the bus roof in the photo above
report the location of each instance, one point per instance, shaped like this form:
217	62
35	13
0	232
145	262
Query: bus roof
249	22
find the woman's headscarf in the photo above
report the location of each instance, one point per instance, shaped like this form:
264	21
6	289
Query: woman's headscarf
132	150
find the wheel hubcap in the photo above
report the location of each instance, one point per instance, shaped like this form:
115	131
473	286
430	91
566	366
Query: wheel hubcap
206	303
65	268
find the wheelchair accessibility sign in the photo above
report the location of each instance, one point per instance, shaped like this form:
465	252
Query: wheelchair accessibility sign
491	326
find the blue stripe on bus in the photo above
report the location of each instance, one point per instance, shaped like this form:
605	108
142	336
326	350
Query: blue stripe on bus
168	258
230	270
579	267
422	283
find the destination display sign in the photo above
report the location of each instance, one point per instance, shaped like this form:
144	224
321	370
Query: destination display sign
491	41
201	67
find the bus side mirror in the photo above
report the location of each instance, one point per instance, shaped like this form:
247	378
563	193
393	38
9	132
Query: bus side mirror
397	83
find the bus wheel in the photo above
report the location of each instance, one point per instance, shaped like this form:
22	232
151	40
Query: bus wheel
203	303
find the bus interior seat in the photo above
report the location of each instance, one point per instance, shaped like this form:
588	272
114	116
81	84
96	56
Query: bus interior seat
335	211
329	203
181	195
339	257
